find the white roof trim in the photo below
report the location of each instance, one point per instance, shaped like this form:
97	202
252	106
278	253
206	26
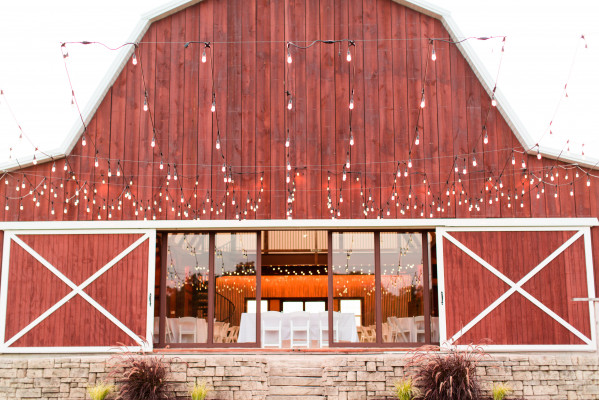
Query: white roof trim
418	5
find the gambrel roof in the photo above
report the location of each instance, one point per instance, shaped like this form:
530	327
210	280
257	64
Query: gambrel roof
486	79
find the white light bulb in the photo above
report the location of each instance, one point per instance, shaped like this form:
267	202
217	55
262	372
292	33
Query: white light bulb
486	139
134	59
493	102
348	58
290	104
473	161
434	55
289	59
213	106
153	143
287	142
410	163
351	103
217	144
145	104
204	55
96	162
417	141
83	141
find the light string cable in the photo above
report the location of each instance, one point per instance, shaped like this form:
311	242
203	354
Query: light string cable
563	95
22	133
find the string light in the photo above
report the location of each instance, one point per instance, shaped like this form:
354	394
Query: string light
134	59
204	55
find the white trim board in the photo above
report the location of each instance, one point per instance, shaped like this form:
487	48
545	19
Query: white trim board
421	6
281	224
11	236
580	232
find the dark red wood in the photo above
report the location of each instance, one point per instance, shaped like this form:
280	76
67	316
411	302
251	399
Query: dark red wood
470	288
78	257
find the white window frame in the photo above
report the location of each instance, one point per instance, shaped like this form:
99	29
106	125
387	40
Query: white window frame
444	233
11	238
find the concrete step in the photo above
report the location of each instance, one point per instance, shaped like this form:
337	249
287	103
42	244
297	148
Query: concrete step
283	397
295	371
294	381
296	391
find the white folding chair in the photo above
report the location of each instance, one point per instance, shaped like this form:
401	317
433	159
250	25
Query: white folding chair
401	329
323	328
172	330
188	327
299	322
418	325
271	328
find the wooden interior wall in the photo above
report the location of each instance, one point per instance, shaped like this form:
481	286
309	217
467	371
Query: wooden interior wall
470	288
250	78
33	289
238	289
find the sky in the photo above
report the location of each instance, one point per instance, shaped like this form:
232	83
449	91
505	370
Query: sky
543	52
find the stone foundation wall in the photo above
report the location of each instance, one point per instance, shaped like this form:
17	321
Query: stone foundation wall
297	376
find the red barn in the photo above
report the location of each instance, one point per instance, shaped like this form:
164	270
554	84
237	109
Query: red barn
298	174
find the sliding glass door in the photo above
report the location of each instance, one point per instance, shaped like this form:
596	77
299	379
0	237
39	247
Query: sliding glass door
315	289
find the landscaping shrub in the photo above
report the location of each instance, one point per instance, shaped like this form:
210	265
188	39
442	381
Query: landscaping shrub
447	376
143	378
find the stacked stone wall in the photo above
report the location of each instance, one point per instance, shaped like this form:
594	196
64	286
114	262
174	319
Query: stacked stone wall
338	377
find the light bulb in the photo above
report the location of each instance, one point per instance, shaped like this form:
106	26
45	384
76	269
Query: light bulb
589	181
422	102
109	172
523	164
290	104
288	166
410	163
348	58
53	168
153	143
224	167
213	106
134	59
204	55
486	139
217	143
513	160
161	165
96	162
351	103
83	141
538	155
417	140
146	104
344	176
473	161
289	59
65	166
34	160
493	102
287	142
351	140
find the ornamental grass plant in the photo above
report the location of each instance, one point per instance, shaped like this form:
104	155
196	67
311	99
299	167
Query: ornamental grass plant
199	391
99	391
501	390
405	390
447	375
141	377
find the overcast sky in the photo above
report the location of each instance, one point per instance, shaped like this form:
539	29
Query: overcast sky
543	38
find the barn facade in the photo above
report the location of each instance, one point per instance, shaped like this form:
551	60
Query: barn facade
331	176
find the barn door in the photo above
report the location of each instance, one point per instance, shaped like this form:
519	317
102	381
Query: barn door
77	291
514	289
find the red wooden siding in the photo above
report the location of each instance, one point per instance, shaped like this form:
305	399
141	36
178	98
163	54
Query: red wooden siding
33	289
250	77
470	288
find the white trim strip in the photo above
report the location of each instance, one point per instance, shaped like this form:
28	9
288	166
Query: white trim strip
516	287
4	286
77	289
511	224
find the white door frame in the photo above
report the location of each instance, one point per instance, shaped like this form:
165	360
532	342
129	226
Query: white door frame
443	234
144	344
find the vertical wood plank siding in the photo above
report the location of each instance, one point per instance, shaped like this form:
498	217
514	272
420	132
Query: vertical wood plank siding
33	289
470	288
250	78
